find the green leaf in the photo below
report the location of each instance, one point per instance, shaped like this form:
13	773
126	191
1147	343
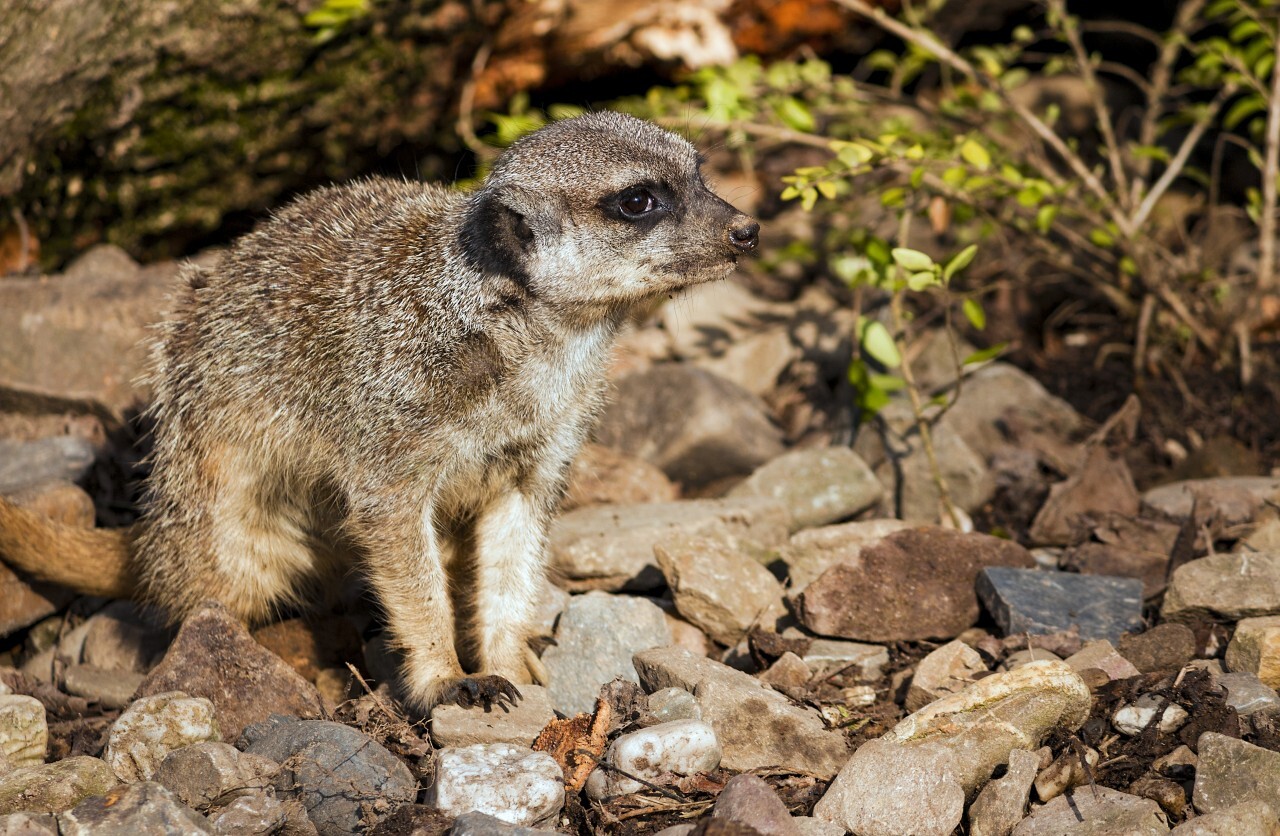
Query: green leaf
922	281
975	155
826	188
959	261
1102	238
973	312
1128	266
893	197
790	193
795	115
808	198
913	261
879	344
1044	218
985	354
917	177
1242	110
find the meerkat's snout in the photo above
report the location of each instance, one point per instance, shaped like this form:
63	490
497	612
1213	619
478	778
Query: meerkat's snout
744	235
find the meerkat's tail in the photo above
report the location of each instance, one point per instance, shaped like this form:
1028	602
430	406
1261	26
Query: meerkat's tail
91	561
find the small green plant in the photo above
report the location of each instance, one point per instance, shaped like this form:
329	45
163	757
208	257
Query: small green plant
332	16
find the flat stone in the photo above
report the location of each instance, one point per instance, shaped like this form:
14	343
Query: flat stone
603	476
1249	818
200	774
788	671
756	726
1255	648
810	553
507	782
344	778
54	787
860	661
1165	647
715	586
119	638
253	814
28	824
947	670
214	657
1002	803
696	426
1101	655
1103	484
1231	772
128	811
1095	810
999	395
682	747
483	824
754	362
611	547
1227	586
26	464
819	485
1232	500
887	789
24	732
749	800
455	725
1248	695
809	826
1036	602
597	636
152	727
915	584
109	688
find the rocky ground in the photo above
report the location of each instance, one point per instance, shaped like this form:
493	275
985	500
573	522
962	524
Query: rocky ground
757	622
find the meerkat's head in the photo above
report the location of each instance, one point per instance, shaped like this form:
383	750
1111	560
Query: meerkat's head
603	210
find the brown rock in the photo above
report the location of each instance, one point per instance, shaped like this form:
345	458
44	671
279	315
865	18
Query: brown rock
23	604
61	501
946	670
604	476
1165	647
1255	648
310	645
915	584
1103	484
749	800
213	656
1103	559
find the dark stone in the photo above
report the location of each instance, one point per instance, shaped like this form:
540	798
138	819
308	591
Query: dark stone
1165	647
145	808
482	824
749	800
1037	602
25	464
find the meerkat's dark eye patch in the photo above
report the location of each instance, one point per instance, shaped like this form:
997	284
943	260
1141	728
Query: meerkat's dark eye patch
643	204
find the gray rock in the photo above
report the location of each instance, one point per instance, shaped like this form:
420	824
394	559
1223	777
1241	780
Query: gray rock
1249	818
54	787
1165	647
342	776
483	824
25	464
1232	500
673	704
551	603
887	789
505	781
819	485
756	725
1100	655
860	661
682	747
118	638
1003	802
947	670
154	726
199	775
24	732
28	824
1037	602
754	362
1092	811
1228	586
697	427
611	547
749	800
810	553
999	395
1231	772
1255	648
110	688
1248	695
716	587
255	814
141	808
455	725
809	826
595	640
712	315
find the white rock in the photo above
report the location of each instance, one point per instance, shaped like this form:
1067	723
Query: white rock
1133	718
154	726
685	747
24	733
502	780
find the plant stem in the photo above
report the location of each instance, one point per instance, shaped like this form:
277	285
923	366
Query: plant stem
1270	169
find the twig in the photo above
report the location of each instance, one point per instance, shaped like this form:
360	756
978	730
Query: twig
1270	169
1144	333
1161	75
466	105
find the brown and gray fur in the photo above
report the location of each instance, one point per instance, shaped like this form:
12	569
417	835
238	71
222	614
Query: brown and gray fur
395	376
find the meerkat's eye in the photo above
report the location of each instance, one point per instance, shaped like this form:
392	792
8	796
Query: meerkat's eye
636	202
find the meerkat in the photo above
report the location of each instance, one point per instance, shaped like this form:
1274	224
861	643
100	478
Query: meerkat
395	377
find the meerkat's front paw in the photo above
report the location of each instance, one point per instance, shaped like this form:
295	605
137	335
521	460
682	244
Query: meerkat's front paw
487	690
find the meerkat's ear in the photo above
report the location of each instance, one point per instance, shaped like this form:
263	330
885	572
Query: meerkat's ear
496	237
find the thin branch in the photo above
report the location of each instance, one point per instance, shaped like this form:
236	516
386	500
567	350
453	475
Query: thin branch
1270	170
1161	76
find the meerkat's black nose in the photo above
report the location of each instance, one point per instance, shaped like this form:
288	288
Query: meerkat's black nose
745	237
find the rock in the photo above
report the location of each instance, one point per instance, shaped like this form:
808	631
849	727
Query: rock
59	500
860	661
1255	648
818	486
1170	796
213	656
756	726
683	747
54	787
810	553
23	604
1018	658
1102	484
1232	772
310	645
1095	810
716	587
604	476
256	814
117	638
128	811
110	689
1227	586
505	781
712	315
1264	538
1103	559
810	826
28	824
915	584
482	824
551	602
755	362
887	789
789	671
454	725
1180	764
1248	695
343	778
1001	395
154	726
1249	818
1100	655
947	670
597	636
1003	801
26	464
1230	500
1036	602
24	733
1133	718
670	704
697	427
611	547
1165	647
198	775
684	634
749	800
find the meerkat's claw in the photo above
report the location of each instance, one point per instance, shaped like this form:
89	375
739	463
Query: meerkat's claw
488	691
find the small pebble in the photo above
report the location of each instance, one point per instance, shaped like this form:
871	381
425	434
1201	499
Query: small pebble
24	733
152	727
1248	695
685	747
1132	719
668	704
505	781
